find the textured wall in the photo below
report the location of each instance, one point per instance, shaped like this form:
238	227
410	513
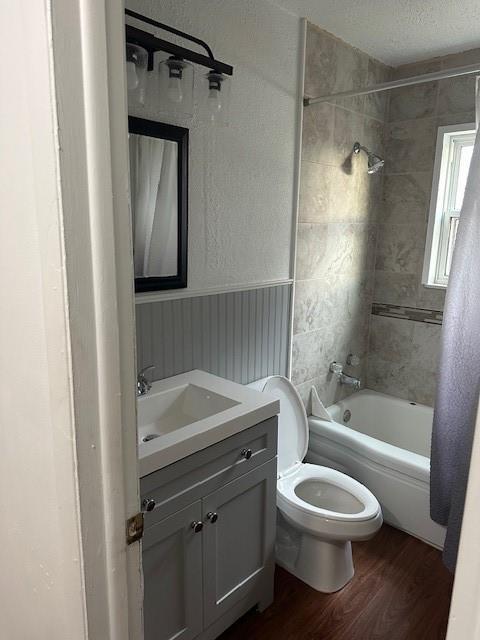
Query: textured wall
339	204
241	175
240	197
403	353
242	336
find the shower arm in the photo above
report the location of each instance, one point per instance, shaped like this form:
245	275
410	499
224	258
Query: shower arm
357	147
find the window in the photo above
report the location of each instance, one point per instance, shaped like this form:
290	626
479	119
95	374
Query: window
452	162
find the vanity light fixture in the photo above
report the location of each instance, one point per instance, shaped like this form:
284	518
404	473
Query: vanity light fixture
137	61
175	74
175	84
218	96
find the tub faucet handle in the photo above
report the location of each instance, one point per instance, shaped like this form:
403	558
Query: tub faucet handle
353	360
336	368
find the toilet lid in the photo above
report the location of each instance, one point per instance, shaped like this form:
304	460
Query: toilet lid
292	423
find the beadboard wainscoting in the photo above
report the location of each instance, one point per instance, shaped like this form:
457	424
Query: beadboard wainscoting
240	335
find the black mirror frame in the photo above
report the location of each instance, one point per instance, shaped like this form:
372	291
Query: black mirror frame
180	135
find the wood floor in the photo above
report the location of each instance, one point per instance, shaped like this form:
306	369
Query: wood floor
400	591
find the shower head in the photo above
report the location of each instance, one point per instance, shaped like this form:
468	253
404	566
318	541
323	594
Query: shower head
375	163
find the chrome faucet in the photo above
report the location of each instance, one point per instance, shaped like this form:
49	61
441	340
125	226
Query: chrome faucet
143	383
337	369
350	381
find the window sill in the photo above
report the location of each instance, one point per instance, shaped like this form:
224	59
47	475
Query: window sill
434	286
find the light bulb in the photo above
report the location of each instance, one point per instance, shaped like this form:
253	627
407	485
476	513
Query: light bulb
132	76
175	89
214	102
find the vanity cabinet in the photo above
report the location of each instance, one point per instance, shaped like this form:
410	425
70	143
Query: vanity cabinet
211	557
239	546
172	572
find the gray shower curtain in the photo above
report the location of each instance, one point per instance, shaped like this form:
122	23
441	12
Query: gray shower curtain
458	385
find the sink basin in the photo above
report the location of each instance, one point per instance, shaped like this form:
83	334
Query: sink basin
189	412
177	408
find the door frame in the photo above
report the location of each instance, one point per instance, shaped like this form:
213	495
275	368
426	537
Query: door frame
87	41
88	58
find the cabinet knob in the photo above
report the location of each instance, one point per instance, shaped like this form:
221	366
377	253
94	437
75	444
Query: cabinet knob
197	526
246	453
148	504
212	516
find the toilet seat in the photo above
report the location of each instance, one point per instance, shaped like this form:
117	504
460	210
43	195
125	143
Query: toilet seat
292	424
286	493
293	436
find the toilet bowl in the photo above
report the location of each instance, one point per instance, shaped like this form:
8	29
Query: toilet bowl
320	510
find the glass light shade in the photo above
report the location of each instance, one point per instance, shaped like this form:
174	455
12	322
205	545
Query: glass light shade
217	97
175	86
137	63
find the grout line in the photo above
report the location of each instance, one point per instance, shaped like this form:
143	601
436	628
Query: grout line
355	111
436	116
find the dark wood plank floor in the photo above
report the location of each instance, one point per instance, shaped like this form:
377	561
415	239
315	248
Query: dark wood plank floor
400	591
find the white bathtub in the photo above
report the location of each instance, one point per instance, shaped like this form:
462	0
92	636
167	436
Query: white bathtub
385	445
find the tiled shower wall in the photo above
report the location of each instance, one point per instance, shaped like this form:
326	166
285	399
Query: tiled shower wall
339	205
403	352
342	268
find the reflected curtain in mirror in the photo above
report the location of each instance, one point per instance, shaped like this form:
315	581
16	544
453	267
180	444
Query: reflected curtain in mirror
158	176
153	167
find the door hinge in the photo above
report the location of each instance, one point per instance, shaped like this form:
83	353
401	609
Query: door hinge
135	528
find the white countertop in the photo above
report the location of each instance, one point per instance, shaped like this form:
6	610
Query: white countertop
174	443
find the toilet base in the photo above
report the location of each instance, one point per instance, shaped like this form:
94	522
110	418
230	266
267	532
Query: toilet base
327	566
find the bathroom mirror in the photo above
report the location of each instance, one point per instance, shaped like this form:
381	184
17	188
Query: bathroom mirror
159	193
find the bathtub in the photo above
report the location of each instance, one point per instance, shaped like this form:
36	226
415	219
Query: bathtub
385	444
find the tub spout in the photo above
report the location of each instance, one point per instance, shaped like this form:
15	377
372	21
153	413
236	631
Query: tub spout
350	381
337	369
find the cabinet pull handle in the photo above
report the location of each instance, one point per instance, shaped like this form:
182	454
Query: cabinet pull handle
212	516
197	526
246	453
148	504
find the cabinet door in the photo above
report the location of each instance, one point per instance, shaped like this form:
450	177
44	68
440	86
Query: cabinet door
172	569
238	548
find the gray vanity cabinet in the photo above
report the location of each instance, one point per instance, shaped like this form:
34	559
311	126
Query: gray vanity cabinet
172	549
211	557
239	547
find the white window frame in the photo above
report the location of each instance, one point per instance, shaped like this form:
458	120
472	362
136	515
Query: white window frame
450	140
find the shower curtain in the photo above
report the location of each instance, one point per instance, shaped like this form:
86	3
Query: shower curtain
458	385
153	172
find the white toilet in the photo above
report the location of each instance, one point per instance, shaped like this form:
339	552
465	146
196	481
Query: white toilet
320	510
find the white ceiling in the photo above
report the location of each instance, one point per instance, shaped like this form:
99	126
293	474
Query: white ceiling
396	31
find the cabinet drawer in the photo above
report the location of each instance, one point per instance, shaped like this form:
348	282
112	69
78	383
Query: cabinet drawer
179	484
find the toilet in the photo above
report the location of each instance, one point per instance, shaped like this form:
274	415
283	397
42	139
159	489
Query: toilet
320	510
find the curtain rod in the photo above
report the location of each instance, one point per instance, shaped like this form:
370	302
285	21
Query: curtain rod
395	84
